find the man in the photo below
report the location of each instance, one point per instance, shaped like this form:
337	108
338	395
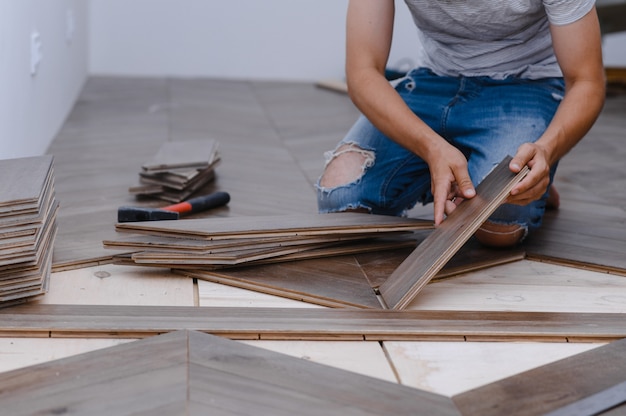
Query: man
500	77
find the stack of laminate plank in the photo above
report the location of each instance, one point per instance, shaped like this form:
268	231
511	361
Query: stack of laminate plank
178	170
28	209
226	242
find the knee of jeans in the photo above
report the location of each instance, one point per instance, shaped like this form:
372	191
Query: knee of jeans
345	165
338	188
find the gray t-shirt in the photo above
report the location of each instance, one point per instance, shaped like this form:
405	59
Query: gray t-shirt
495	38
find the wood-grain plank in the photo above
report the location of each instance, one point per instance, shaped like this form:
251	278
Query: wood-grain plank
334	282
433	253
122	380
202	374
246	380
472	256
551	386
308	323
276	225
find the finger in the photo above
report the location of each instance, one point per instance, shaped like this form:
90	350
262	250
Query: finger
450	206
537	178
464	184
524	155
531	194
439	206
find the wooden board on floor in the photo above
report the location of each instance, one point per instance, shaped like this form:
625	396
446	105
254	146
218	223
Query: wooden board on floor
280	254
23	183
471	257
309	323
552	386
149	243
202	374
340	281
199	153
334	282
569	236
276	225
433	253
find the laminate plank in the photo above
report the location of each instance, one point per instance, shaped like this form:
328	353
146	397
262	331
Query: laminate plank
199	153
268	255
23	182
337	282
277	384
121	380
150	243
275	225
608	399
433	253
543	389
471	257
592	241
309	323
202	374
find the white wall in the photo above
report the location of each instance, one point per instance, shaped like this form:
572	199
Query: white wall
33	107
270	39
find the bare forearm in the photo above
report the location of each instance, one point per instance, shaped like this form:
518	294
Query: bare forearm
382	105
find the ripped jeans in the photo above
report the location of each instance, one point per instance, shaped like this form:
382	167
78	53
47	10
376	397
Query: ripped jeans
485	118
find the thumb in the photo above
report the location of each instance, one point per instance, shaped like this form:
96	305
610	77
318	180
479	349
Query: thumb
465	186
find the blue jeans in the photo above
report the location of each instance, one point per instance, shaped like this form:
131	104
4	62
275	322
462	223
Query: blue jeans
485	119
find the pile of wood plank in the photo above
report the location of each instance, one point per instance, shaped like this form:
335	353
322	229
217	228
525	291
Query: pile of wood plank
28	209
178	170
226	242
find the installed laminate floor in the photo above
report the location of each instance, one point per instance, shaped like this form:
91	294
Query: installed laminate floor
272	137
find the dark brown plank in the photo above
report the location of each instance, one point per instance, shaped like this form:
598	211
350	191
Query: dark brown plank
199	374
471	257
434	252
598	403
551	386
240	379
267	255
334	282
276	225
594	241
122	380
308	323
